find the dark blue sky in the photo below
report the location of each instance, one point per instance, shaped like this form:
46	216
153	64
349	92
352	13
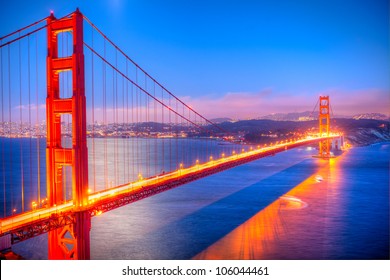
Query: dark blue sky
245	58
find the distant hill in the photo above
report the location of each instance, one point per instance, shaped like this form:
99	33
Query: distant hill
297	116
301	116
364	131
221	120
371	116
264	125
357	132
305	116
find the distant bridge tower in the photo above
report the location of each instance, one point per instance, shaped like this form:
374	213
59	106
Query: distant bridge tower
324	126
72	241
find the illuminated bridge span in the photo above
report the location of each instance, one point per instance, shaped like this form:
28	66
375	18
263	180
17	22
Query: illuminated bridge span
105	134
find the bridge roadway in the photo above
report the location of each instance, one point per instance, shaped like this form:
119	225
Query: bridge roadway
35	222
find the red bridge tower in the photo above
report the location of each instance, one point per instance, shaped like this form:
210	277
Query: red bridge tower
324	127
73	241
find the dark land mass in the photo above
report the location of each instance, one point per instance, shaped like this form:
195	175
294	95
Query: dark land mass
357	132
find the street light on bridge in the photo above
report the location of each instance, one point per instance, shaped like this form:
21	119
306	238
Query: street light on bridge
180	168
33	205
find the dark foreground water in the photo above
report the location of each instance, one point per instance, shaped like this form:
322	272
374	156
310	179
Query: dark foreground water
290	206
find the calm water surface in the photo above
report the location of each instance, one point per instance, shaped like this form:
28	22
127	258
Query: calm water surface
289	206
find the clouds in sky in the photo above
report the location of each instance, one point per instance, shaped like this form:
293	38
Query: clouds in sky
247	105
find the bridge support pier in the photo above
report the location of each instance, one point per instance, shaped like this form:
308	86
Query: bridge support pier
72	241
81	230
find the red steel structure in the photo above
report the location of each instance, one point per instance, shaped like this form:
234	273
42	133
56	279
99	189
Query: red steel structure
324	127
71	241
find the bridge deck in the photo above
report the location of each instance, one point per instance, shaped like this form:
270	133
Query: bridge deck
33	223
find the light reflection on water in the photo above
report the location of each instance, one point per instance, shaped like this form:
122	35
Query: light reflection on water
263	235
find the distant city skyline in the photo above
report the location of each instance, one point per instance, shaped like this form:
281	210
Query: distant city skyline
245	59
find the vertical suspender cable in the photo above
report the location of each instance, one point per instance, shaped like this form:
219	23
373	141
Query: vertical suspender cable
133	131
137	124
3	129
10	130
105	126
163	131
333	117
190	144
21	126
143	143
133	134
123	131
177	135
155	131
116	156
115	127
37	121
29	117
185	143
147	127
170	131
93	116
197	150
127	126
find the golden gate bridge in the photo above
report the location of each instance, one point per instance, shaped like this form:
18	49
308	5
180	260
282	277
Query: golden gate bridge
105	134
